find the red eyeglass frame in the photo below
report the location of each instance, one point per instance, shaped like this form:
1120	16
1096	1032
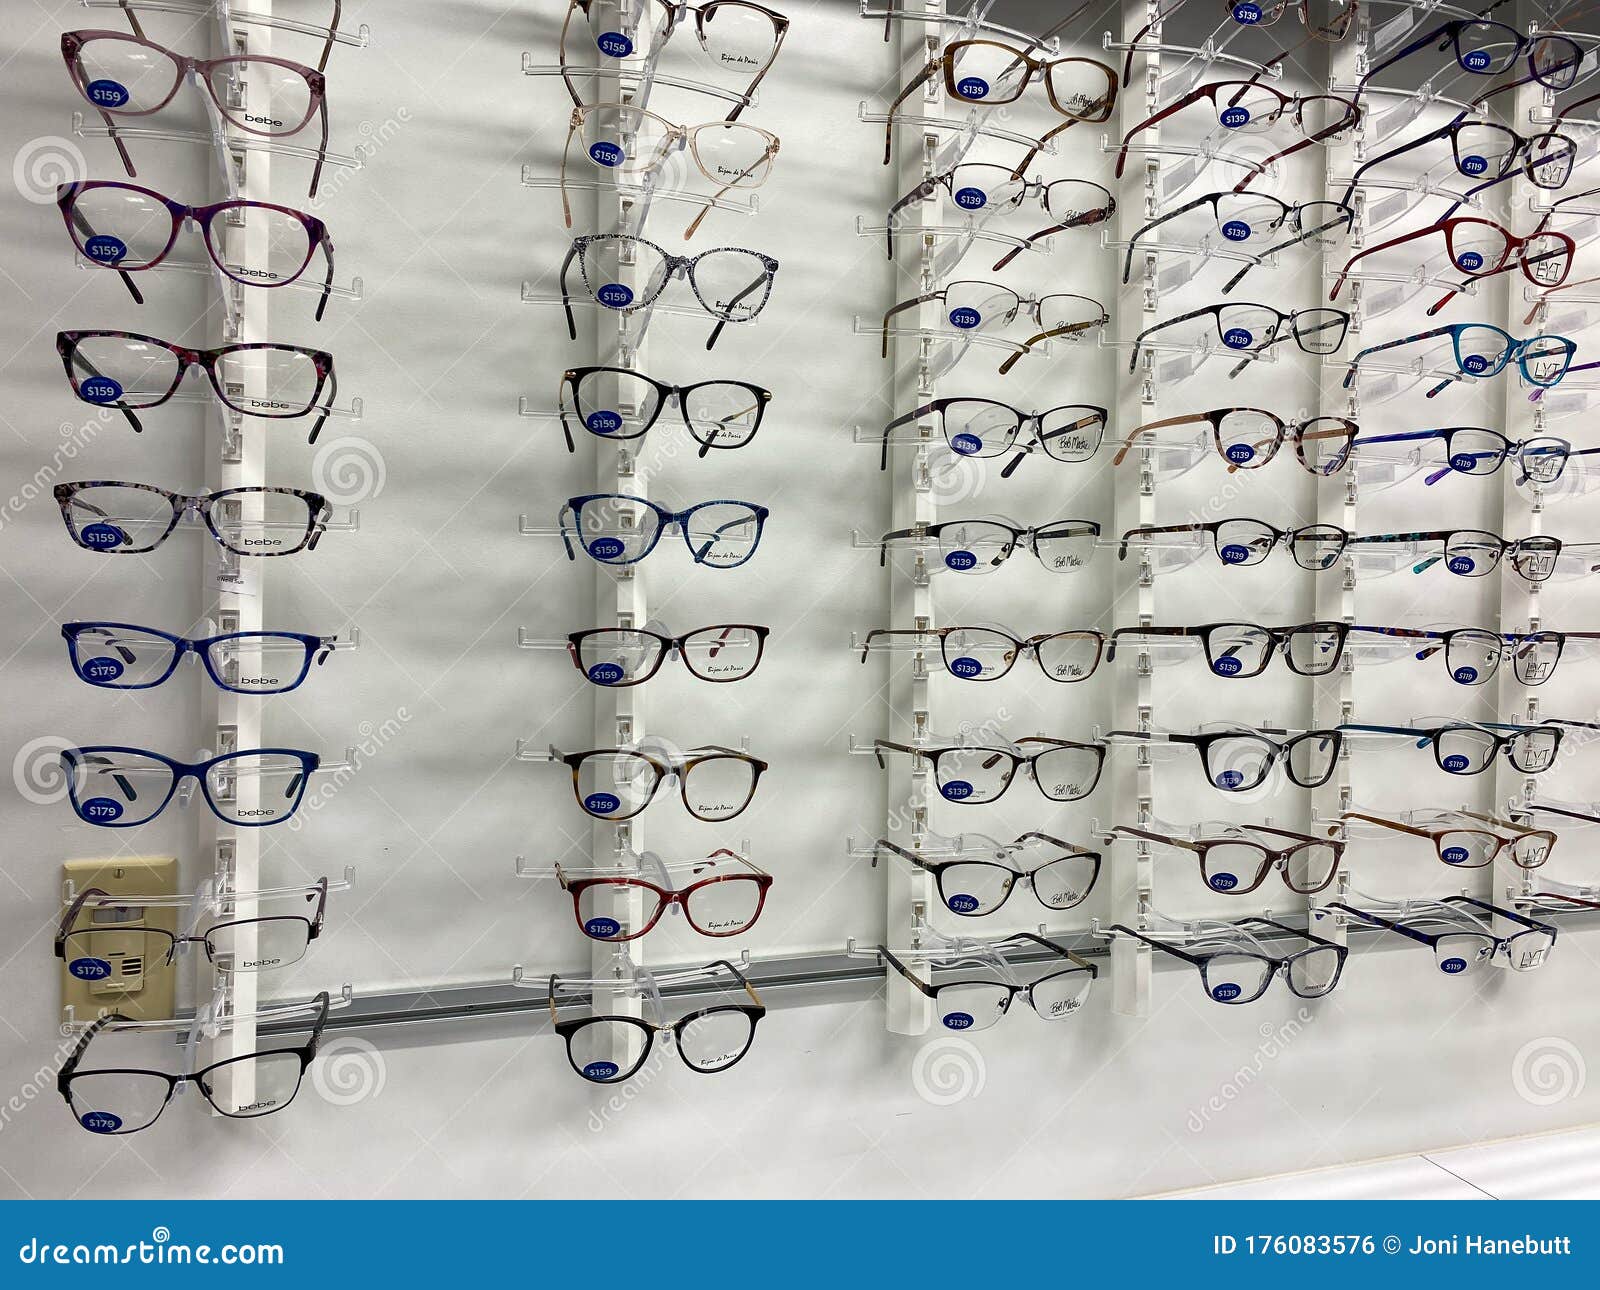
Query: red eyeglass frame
667	897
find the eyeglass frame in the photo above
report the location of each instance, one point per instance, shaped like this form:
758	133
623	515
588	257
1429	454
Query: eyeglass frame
1022	646
932	753
200	647
1025	420
938	868
1277	964
318	511
572	377
667	897
1271	859
665	764
669	645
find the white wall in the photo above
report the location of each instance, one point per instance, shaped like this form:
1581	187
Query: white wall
437	580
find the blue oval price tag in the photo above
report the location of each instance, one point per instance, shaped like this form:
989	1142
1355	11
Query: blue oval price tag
1227	666
1240	453
1473	364
601	1070
957	790
1455	855
614	44
99	389
89	969
1455	763
101	669
103	537
1472	164
1237	337
1453	965
1465	675
971	199
1476	60
614	296
1232	118
107	93
1463	461
965	317
605	928
606	153
966	666
966	444
100	1121
1469	261
604	421
1234	553
972	87
606	548
958	1021
602	803
1236	230
105	249
1223	881
1462	564
963	903
101	810
1230	779
961	560
605	673
1226	992
1247	14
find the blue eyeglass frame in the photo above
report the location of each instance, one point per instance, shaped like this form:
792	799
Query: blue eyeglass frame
200	648
1513	348
71	758
664	518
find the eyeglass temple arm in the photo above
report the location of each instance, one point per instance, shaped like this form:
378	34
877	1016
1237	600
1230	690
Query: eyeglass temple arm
924	410
1111	643
1417	42
888	845
1307	934
1160	945
1379	921
880	744
923	190
1071	329
893	534
887	955
716	331
77	359
1148	530
1127	262
1128	830
1150	122
766	156
1282	833
920	79
71	917
1192	418
83	226
69	1066
901	307
325	411
1443	132
1076	959
1350	375
1498	911
326	243
1386	823
1438	226
566	298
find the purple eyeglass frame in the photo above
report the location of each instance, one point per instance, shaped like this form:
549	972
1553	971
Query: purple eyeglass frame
204	216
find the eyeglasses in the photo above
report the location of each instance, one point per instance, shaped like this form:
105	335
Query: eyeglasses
978	1004
111	951
619	403
987	653
609	1049
985	428
1488	151
991	74
1460	845
1237	968
1242	650
129	229
1239	217
980	546
121	1100
617	657
731	283
1490	48
983	189
1484	350
1248	438
616	528
1471	654
1469	450
1327	20
122	656
715	783
1534	655
735	35
724	904
1238	760
1460	748
1064	770
127	76
1468	943
1240	542
118	518
1250	108
1473	553
1481	248
634	144
988	306
1237	864
125	370
1250	329
118	788
984	875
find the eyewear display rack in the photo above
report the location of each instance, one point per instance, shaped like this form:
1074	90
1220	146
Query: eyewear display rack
228	1009
918	31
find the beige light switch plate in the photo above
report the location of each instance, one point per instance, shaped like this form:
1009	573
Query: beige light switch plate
111	972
